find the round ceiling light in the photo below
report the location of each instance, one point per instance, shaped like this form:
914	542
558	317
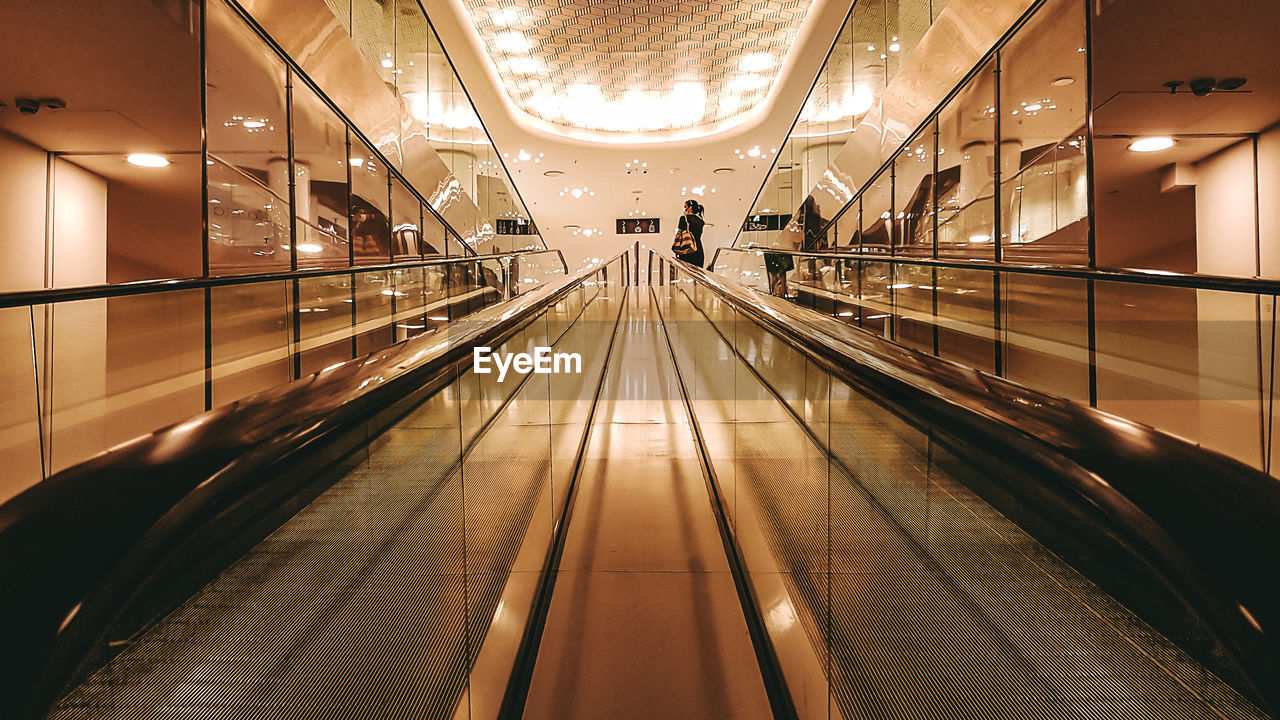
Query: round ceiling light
572	227
723	171
1064	81
1151	144
553	173
147	160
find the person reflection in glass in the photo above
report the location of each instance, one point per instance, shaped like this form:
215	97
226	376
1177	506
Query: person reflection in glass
369	232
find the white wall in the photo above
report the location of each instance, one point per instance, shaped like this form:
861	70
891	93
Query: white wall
1269	200
79	226
1225	233
1230	402
23	171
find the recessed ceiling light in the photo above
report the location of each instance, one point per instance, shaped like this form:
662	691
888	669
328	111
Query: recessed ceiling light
723	171
147	160
1064	81
636	192
572	227
756	62
1151	144
511	42
553	173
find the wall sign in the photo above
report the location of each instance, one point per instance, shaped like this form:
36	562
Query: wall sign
630	226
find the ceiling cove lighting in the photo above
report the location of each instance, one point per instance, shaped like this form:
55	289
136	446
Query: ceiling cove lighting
1151	144
591	84
147	160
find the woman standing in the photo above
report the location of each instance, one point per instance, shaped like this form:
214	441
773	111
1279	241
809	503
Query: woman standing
692	221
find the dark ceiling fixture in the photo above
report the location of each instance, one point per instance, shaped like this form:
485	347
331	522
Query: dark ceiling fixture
1206	85
31	106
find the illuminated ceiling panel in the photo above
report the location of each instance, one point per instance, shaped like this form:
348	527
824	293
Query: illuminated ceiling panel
620	69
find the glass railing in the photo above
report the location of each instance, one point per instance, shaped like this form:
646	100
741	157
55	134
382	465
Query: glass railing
920	538
87	368
426	495
1189	355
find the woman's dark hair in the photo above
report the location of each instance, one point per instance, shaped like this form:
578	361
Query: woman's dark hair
694	206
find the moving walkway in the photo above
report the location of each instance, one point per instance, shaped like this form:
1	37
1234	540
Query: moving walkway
738	509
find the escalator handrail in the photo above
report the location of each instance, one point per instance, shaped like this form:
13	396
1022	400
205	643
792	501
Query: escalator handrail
23	298
1209	523
74	547
1193	281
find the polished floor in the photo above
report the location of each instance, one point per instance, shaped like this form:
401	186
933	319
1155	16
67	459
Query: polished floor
645	621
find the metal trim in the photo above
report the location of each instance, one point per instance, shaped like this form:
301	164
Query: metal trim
141	287
1132	275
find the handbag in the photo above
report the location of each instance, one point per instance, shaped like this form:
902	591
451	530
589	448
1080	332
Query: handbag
684	243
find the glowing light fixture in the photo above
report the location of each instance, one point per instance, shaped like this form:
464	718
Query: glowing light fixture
755	62
147	160
254	124
511	42
506	17
1151	144
310	247
357	162
979	238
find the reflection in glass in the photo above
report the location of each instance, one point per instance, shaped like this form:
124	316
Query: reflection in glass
251	339
433	234
877	213
913	196
376	296
370	221
248	224
913	315
966	317
1045	333
20	446
320	181
373	30
325	317
406	222
248	145
876	297
849	227
966	170
1044	186
123	367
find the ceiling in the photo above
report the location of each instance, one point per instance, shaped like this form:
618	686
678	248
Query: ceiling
611	69
677	164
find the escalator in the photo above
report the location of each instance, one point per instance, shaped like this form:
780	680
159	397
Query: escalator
736	509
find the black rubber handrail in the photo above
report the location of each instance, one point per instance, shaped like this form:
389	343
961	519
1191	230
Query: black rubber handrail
1144	277
1206	524
75	547
141	287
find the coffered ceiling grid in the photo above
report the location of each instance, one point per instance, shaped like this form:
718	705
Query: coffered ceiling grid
637	65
